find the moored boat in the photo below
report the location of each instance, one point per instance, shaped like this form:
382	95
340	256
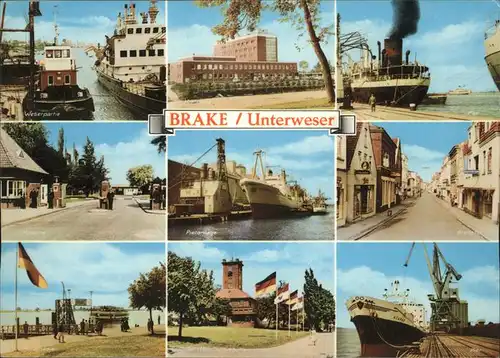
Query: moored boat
319	204
460	91
492	49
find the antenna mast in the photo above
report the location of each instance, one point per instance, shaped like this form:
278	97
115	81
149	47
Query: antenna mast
56	28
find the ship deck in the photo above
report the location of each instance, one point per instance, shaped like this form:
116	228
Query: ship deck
364	113
444	346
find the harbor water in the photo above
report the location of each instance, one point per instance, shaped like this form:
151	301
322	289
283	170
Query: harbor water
135	317
475	104
316	227
348	345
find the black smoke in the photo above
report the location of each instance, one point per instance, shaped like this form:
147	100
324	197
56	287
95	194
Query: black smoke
405	18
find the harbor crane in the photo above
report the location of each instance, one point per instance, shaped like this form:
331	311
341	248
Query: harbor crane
448	312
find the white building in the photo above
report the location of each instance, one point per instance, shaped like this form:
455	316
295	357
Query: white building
341	206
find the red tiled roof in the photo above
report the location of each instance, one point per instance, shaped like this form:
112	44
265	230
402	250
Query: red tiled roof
228	293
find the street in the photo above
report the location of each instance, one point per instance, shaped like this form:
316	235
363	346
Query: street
425	219
127	221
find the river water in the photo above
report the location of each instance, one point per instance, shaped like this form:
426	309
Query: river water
348	345
475	104
320	227
135	317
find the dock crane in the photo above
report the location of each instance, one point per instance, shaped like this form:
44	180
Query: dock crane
448	312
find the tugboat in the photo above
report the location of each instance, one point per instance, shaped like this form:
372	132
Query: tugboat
132	64
387	327
390	79
57	94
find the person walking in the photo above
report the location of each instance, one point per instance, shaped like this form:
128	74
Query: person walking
82	326
61	333
159	320
50	198
25	328
372	101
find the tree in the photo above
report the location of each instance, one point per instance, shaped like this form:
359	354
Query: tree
304	15
304	65
140	176
149	291
266	309
319	303
191	290
221	308
29	136
76	155
60	142
88	173
161	143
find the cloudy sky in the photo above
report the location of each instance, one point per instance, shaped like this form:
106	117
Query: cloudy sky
426	144
124	145
260	260
103	268
449	39
86	21
307	156
368	268
193	34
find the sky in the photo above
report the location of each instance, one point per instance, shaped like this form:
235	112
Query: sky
262	259
307	156
426	144
368	268
124	145
86	21
449	39
103	268
193	34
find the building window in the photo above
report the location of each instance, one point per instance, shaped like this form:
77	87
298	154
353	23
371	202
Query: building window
385	161
51	80
489	160
133	53
123	53
67	79
142	53
164	30
155	30
161	52
209	66
138	30
130	31
476	162
16	189
484	162
147	30
152	53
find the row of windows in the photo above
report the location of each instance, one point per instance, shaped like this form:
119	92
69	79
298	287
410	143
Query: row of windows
241	66
473	163
58	54
67	80
147	30
210	76
142	53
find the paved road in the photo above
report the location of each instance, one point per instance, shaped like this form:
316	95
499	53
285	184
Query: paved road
323	347
425	220
127	221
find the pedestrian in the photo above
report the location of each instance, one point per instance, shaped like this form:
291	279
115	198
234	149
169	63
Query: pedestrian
86	325
55	331
313	336
372	101
110	197
61	333
82	326
159	320
50	198
25	327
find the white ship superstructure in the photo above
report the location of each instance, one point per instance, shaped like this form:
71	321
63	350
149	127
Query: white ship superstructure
492	48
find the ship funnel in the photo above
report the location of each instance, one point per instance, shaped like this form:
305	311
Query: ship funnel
153	11
393	49
144	16
408	56
379	53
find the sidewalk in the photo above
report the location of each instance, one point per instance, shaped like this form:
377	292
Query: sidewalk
13	216
145	206
358	229
484	227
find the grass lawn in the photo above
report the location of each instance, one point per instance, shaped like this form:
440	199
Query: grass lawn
132	346
228	337
318	103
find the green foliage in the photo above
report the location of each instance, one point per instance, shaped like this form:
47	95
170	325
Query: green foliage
221	308
319	303
161	143
304	65
60	142
148	291
88	173
140	176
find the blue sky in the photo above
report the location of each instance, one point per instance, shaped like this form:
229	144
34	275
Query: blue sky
193	34
368	268
307	156
449	38
86	21
124	145
101	267
261	259
426	144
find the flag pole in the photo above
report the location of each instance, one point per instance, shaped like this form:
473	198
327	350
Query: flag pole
15	296
276	313
289	320
297	324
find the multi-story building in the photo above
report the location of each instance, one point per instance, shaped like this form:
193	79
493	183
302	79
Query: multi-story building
341	207
481	184
398	163
413	184
404	173
444	179
249	57
388	164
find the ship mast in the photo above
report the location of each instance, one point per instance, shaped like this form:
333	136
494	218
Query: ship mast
56	28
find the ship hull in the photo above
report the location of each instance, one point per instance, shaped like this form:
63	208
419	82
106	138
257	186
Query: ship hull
493	62
141	106
267	201
319	210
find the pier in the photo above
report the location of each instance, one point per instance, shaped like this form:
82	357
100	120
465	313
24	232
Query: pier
363	112
205	219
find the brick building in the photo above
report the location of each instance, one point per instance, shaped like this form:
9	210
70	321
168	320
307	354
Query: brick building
388	163
243	312
248	57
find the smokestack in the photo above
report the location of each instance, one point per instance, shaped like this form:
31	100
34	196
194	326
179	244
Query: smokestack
406	14
384	58
379	45
393	49
407	57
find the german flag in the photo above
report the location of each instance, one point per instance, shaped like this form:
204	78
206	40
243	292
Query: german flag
294	298
24	261
266	286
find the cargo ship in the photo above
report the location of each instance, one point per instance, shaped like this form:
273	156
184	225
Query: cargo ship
269	195
390	79
131	66
492	48
387	326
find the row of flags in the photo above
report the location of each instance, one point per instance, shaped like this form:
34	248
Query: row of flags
283	294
